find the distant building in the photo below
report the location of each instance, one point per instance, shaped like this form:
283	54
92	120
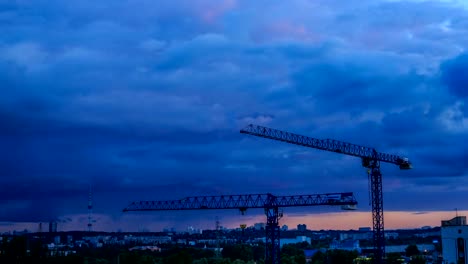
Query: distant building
456	221
148	239
298	239
365	229
284	228
356	235
393	235
52	227
150	248
349	245
402	248
428	234
191	230
310	253
301	227
259	226
454	234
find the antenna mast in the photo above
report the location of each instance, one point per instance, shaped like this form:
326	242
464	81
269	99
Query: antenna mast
90	210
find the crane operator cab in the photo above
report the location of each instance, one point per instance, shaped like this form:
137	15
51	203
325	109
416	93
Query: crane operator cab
404	163
348	197
349	207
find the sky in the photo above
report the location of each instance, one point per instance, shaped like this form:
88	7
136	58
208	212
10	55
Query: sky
144	100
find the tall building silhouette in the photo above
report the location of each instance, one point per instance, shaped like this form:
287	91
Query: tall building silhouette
52	227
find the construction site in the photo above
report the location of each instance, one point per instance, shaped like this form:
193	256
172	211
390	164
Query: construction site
272	205
233	132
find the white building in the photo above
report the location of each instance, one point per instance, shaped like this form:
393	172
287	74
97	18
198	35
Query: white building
349	245
192	230
259	226
298	239
454	235
402	248
356	235
393	235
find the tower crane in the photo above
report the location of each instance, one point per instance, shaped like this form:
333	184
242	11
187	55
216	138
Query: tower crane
270	203
370	159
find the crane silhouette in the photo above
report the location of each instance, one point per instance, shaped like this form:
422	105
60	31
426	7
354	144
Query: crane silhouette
370	159
270	203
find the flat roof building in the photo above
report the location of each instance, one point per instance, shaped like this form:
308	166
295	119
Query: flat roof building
456	221
454	234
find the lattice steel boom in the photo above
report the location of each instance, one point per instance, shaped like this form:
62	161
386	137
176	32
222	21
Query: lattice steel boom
332	145
242	202
370	159
270	203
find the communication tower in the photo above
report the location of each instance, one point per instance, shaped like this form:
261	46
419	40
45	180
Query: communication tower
218	234
90	210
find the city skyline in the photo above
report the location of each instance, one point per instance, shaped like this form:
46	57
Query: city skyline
159	222
144	100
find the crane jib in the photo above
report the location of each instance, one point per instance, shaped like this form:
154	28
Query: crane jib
370	159
245	201
326	144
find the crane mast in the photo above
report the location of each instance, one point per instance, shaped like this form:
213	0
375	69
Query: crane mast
370	159
270	203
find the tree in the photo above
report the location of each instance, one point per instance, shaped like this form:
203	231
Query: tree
411	250
201	261
127	258
293	254
37	249
417	260
258	253
180	258
17	247
291	250
318	258
394	258
340	256
242	252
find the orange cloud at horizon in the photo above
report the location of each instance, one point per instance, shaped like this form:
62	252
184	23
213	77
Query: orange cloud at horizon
319	221
354	220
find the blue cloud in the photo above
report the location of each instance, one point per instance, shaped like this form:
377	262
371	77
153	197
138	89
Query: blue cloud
453	75
144	100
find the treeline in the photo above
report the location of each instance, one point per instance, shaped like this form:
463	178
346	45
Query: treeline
20	250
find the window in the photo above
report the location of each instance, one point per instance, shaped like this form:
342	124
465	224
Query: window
460	251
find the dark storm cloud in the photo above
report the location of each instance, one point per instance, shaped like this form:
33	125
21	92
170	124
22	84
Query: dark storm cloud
454	75
353	85
144	99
